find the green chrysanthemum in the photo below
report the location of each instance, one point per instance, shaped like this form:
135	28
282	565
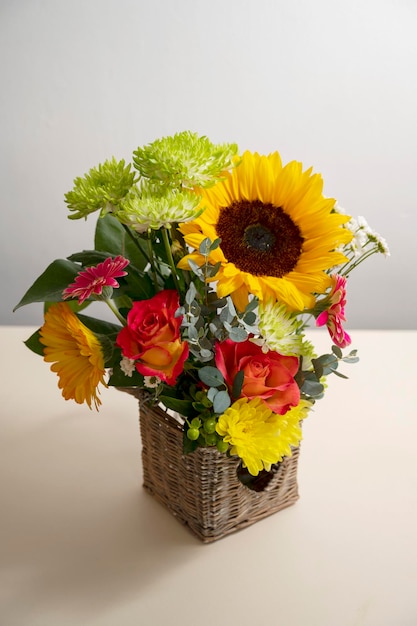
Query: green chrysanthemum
150	206
279	327
184	160
104	187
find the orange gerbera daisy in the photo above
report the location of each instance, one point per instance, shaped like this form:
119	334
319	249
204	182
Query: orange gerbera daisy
75	354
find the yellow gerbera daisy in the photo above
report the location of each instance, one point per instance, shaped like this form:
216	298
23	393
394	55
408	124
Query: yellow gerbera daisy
75	354
278	233
259	436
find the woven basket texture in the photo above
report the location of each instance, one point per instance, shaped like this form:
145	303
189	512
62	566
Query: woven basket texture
201	489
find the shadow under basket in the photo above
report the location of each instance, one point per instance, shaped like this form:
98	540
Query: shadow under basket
202	489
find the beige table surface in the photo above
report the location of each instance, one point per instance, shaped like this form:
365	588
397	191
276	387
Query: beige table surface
83	544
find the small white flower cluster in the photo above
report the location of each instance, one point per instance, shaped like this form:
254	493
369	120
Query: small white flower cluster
363	235
127	366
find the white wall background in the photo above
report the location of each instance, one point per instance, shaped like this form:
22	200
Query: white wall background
331	83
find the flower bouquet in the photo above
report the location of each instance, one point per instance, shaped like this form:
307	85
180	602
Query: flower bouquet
213	263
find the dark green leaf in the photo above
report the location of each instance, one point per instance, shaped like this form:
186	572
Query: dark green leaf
249	318
339	374
311	388
112	237
237	384
88	257
328	362
318	368
136	285
34	344
183	407
119	378
252	305
215	244
337	351
100	327
50	285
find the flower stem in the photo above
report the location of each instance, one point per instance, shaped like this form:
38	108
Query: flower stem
348	267
152	261
168	250
115	310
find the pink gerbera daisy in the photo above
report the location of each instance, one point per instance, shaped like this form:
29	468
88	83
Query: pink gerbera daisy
94	278
334	315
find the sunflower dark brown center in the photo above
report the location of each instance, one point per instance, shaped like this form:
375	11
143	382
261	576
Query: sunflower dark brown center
259	238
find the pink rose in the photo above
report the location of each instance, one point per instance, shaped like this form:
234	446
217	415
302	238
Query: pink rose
152	337
267	376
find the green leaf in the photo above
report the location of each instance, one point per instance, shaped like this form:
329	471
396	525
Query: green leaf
249	318
215	244
211	376
312	388
112	237
353	359
238	334
205	246
183	407
88	257
339	374
252	305
328	362
136	285
34	344
119	378
50	285
318	368
221	402
337	351
100	327
191	293
212	393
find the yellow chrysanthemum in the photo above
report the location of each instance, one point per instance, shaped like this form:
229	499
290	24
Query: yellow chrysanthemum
278	232
259	436
75	354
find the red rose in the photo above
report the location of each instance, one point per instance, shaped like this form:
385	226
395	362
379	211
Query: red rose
152	337
267	376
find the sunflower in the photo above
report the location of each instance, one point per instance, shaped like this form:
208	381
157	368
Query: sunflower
75	354
278	233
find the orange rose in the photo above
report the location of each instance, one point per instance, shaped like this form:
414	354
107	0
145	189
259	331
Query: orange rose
269	376
152	337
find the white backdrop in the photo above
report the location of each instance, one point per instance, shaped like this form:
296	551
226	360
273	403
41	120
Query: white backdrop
331	83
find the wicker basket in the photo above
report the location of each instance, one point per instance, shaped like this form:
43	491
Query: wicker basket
201	489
